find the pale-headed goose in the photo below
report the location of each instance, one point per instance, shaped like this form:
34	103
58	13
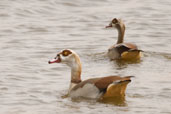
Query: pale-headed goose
100	87
121	50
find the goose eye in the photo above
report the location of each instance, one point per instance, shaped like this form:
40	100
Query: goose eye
114	21
66	52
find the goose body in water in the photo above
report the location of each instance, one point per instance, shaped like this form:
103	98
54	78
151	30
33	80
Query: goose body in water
121	50
100	87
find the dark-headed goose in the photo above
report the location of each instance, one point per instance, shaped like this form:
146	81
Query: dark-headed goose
121	50
101	87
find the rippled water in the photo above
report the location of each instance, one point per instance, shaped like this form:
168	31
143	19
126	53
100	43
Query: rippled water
33	31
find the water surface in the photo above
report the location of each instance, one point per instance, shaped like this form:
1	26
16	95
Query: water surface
33	31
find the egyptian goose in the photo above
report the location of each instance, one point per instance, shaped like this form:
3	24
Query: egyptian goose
102	87
120	50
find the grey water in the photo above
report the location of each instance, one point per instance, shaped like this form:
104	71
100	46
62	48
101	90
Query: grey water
33	31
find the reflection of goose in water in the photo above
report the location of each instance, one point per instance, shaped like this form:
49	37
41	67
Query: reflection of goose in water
120	50
101	87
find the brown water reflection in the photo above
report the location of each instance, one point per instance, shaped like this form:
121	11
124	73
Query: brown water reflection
117	101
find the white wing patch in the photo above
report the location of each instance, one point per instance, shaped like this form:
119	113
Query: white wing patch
87	91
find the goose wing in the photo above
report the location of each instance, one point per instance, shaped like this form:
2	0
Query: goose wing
125	47
103	82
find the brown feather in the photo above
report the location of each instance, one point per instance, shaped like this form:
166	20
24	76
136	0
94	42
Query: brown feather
103	82
115	90
130	45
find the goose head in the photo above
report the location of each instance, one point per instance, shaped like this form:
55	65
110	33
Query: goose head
68	57
115	23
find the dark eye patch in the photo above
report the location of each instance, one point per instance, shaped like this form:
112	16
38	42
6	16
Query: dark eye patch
114	21
66	52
